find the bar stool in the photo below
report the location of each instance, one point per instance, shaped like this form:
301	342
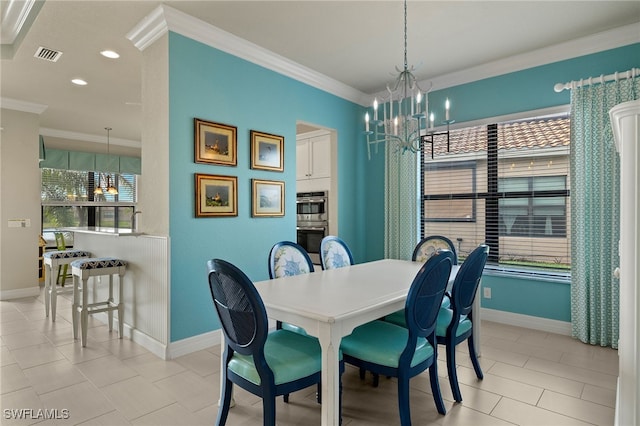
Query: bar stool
52	261
81	270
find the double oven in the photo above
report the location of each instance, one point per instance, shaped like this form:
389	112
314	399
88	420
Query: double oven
312	226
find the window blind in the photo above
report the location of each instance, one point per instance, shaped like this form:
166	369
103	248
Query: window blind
505	184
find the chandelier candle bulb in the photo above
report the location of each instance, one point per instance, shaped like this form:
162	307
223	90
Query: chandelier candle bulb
446	109
418	101
366	122
375	109
431	120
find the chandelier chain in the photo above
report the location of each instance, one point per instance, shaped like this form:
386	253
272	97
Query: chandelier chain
405	36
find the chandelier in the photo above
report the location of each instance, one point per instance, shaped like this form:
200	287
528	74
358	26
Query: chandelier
110	188
404	117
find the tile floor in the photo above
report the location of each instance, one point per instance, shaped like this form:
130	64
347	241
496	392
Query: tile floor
531	378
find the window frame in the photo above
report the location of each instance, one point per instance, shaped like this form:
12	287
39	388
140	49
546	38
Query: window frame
493	195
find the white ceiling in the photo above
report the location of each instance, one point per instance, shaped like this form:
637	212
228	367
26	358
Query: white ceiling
357	43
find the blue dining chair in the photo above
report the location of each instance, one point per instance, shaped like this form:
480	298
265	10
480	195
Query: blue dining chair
455	323
267	364
387	349
334	253
426	248
287	258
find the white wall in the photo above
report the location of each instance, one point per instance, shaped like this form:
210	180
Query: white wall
154	203
19	199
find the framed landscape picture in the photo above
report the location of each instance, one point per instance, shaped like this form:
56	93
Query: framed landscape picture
267	151
267	198
215	143
216	195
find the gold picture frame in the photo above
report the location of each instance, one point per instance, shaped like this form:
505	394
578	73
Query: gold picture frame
267	198
267	151
215	143
216	196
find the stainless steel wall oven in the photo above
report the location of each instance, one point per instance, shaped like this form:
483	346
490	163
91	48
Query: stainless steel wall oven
312	221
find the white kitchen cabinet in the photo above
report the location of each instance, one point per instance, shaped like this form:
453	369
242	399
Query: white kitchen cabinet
313	157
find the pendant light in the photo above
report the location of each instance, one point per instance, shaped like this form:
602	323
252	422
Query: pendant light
110	189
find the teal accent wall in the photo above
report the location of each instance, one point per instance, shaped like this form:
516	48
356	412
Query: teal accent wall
209	84
212	85
538	298
529	89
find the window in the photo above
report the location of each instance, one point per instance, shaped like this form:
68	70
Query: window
68	199
505	184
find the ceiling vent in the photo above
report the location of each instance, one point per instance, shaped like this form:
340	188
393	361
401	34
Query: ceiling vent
48	54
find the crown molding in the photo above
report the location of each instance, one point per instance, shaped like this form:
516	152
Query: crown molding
86	137
18	105
611	39
165	18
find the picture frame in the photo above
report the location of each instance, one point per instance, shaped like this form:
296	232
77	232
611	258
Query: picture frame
267	151
216	196
267	198
215	143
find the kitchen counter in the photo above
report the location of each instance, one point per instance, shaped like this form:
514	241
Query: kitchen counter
102	230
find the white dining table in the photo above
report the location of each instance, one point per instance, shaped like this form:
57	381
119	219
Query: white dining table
330	304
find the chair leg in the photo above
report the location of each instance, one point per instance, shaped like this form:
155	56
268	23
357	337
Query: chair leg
474	358
362	372
110	303
376	380
319	393
84	312
47	289
451	370
435	388
225	402
53	296
269	410
403	400
75	306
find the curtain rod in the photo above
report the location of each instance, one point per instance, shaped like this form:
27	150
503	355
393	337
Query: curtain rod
632	73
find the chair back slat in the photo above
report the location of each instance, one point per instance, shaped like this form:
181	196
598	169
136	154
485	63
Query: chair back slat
466	283
241	311
426	293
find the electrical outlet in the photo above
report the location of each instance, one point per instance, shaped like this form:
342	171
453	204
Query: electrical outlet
487	292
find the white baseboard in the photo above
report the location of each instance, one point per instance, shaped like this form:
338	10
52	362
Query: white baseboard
149	343
19	293
195	343
526	321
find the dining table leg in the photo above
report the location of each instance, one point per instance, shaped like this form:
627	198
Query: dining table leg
330	338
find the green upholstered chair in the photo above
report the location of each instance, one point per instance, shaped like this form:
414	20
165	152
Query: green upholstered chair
267	364
391	350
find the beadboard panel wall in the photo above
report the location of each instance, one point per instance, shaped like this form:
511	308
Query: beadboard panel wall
146	284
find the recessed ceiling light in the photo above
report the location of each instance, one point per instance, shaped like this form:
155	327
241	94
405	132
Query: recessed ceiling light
79	82
110	54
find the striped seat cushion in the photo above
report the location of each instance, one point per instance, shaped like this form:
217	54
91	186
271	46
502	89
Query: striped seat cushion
66	254
98	262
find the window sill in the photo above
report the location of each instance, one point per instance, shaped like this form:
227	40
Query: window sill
528	274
